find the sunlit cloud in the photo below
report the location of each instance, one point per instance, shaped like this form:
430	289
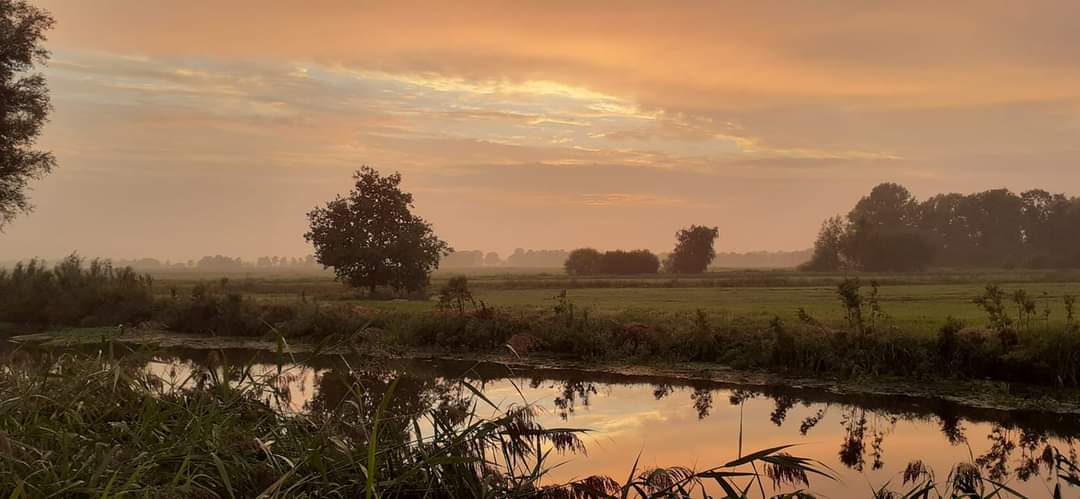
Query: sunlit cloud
698	113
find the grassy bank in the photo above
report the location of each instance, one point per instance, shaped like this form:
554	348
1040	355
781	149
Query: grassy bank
850	330
99	426
77	426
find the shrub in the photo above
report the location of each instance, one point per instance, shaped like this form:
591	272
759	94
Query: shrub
455	294
1070	309
583	261
851	297
629	262
947	339
72	293
587	261
992	301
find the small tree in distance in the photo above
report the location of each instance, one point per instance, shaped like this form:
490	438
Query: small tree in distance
371	238
583	261
693	250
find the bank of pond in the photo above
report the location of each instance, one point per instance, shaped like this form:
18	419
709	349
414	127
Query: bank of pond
113	420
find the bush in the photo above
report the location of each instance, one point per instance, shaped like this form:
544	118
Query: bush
72	294
587	261
583	261
455	294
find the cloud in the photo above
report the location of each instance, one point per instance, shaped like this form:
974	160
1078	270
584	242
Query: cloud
509	114
909	52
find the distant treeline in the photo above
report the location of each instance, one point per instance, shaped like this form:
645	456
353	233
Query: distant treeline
890	230
558	258
220	263
762	259
215	263
519	258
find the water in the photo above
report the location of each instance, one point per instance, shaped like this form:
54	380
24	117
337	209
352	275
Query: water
867	441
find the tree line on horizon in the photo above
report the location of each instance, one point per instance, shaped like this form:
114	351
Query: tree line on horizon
519	258
530	258
891	230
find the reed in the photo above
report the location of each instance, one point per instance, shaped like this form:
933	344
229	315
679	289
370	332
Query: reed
76	425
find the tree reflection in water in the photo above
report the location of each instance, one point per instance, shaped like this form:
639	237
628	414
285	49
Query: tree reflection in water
572	393
1017	449
1013	452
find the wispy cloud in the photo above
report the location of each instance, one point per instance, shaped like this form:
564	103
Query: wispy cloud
711	111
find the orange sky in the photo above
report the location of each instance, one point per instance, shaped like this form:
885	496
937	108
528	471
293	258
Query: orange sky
200	127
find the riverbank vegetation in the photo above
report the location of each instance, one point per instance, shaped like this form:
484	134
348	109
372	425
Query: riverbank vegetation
103	425
90	426
1019	336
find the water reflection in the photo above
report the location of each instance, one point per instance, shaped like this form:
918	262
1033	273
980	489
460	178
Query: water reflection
868	440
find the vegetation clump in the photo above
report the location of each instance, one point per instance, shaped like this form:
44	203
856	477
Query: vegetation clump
74	293
587	261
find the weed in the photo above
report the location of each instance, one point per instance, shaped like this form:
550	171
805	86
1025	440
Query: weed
852	300
992	301
455	295
1070	309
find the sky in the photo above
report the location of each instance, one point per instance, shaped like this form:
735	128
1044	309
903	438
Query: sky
201	127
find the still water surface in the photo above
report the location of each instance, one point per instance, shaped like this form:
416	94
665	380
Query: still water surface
867	441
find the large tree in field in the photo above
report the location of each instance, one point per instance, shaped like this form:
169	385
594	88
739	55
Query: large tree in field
24	103
371	238
693	250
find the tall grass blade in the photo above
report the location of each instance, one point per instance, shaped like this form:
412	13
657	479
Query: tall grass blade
372	470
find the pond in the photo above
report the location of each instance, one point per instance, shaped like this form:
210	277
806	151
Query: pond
867	440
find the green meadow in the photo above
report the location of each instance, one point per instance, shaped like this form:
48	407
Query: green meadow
912	302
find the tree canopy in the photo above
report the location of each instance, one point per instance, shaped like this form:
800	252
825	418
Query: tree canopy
371	237
587	261
24	103
693	250
890	230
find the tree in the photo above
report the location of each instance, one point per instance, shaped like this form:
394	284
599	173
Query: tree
583	261
24	103
587	261
943	221
693	250
492	259
889	206
629	262
881	250
371	237
995	218
828	248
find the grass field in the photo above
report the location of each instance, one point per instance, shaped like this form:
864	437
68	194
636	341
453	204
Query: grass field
914	302
902	328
